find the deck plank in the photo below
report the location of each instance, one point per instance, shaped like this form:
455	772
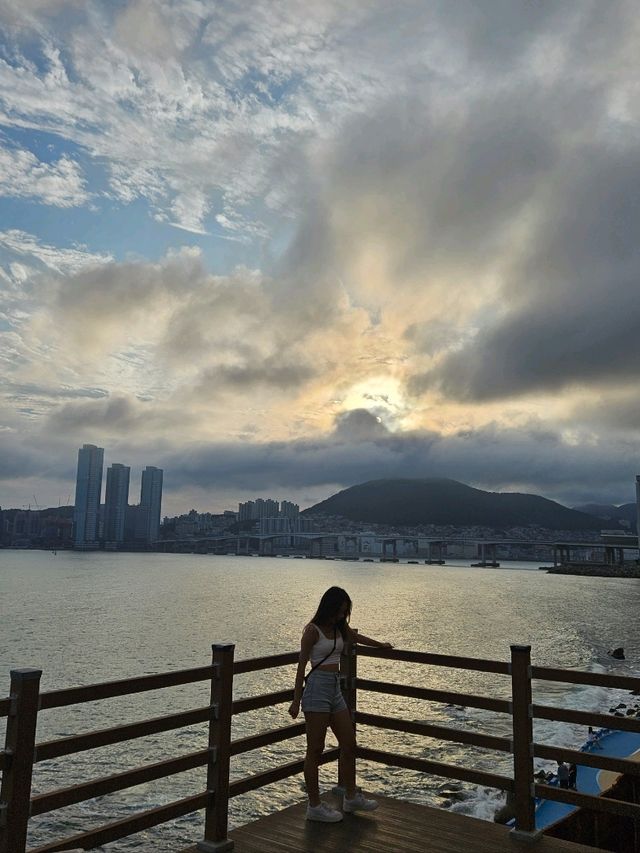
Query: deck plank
396	826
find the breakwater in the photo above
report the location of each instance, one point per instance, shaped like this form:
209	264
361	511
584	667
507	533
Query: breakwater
595	570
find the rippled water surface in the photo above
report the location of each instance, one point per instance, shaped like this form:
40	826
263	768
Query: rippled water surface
85	618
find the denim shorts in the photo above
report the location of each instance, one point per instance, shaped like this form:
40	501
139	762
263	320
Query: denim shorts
322	693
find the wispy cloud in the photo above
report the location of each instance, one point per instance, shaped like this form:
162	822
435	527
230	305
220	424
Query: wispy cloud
57	259
59	184
202	99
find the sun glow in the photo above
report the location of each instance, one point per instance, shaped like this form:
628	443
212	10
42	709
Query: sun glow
382	395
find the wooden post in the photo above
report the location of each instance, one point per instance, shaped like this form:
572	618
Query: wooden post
348	674
525	825
217	812
15	794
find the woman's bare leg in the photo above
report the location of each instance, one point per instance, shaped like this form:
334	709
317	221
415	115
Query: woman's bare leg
317	725
342	727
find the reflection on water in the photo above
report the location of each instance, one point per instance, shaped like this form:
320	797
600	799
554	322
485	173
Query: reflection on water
86	618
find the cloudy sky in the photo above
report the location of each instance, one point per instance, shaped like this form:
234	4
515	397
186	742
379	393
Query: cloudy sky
280	248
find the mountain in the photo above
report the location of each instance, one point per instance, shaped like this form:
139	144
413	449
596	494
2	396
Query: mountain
626	514
448	502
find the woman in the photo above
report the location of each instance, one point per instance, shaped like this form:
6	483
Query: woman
323	705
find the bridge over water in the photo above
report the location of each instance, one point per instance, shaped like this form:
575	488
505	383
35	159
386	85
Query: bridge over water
610	550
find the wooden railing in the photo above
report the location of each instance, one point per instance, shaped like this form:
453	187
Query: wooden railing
25	702
22	752
522	746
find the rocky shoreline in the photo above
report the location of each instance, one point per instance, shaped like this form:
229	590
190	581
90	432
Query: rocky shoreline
595	570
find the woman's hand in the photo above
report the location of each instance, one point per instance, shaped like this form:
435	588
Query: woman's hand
294	708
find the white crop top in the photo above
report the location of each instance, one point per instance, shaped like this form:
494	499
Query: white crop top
323	646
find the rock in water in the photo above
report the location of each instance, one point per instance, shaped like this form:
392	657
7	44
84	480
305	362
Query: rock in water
618	653
506	812
452	794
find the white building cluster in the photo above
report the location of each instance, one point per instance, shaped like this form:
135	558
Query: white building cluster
273	517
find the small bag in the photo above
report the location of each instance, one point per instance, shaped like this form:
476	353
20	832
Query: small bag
335	639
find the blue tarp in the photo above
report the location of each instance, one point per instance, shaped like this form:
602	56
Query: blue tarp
613	743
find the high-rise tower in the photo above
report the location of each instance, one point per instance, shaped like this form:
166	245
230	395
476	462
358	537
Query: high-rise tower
88	490
289	510
115	502
150	504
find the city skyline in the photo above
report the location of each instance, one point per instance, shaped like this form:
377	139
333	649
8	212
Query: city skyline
286	250
116	521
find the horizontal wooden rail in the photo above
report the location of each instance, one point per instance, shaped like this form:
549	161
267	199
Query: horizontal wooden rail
467	699
62	797
267	777
587	759
254	664
437	768
117	734
129	826
596	679
140	684
252	703
587	801
246	744
5	706
123	687
500	744
586	718
145	820
126	686
452	661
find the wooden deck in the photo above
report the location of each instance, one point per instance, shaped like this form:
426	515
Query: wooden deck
395	827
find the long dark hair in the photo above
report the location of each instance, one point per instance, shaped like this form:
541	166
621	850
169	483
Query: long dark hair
330	603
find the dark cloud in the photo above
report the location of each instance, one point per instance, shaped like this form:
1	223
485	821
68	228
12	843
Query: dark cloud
117	411
18	390
440	192
359	425
617	410
499	33
215	314
271	372
306	289
574	313
532	459
18	460
120	417
527	460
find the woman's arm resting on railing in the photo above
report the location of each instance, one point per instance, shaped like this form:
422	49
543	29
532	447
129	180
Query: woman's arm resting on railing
367	641
309	637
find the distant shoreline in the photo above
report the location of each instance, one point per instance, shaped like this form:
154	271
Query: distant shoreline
404	560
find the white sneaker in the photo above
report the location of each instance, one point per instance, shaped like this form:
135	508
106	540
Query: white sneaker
324	813
360	804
